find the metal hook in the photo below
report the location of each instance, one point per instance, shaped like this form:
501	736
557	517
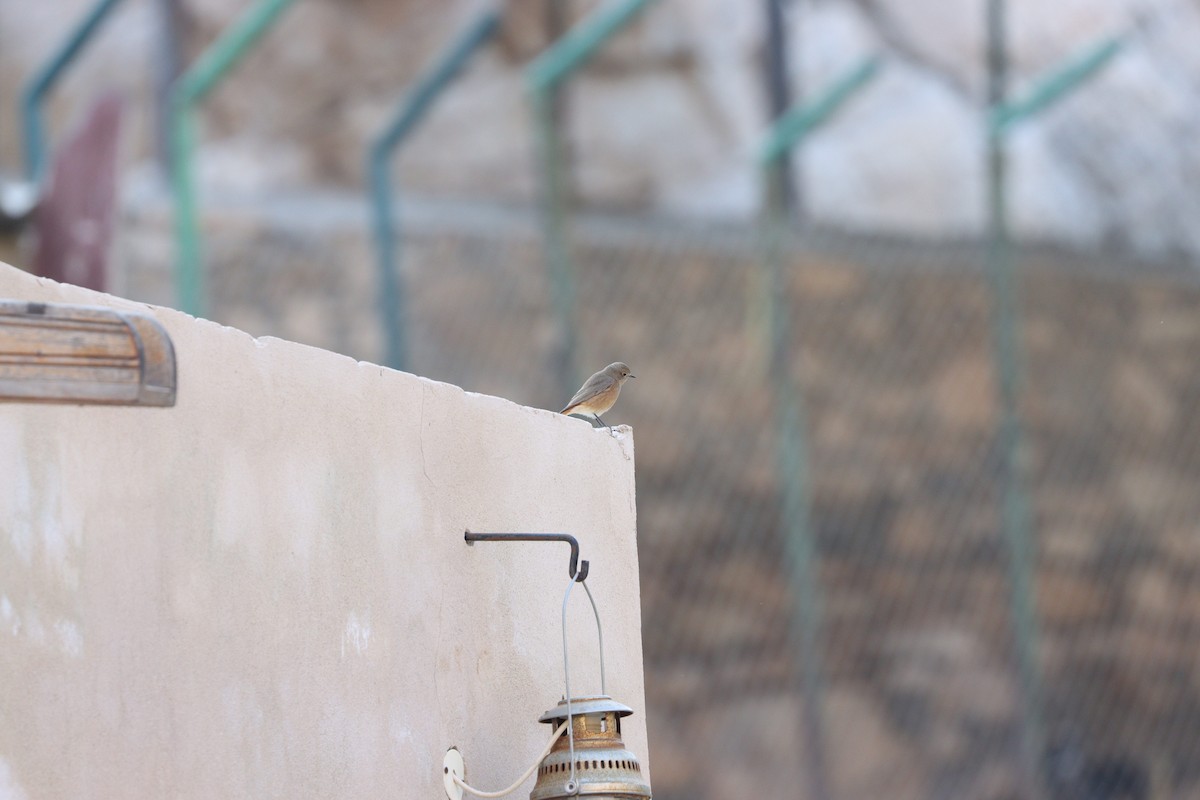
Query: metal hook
576	569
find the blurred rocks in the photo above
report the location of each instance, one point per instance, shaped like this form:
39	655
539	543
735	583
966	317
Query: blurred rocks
667	115
868	758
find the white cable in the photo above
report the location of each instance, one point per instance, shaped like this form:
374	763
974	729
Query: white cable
554	738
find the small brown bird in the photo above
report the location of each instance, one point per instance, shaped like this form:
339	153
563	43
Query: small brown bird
599	392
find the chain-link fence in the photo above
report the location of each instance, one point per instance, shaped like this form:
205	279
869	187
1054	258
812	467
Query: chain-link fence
921	691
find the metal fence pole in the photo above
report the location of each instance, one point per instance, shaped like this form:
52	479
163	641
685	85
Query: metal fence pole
191	87
44	80
544	76
412	109
168	62
779	86
1005	344
1007	353
791	440
791	458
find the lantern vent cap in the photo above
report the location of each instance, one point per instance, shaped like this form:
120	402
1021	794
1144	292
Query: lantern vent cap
598	704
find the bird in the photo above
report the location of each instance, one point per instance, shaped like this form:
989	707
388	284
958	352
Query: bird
599	392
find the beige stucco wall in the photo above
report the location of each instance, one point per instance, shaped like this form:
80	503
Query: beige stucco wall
264	591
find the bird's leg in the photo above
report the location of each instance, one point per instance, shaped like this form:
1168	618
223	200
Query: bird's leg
602	422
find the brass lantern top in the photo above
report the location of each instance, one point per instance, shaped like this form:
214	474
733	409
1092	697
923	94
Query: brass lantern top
603	767
597	704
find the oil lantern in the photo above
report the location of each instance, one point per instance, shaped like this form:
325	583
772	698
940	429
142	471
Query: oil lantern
601	766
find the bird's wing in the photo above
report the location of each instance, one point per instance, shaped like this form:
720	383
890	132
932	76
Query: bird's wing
594	386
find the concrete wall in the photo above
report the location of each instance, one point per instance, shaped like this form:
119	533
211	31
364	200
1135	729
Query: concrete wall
264	591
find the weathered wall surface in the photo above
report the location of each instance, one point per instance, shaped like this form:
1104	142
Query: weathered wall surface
264	590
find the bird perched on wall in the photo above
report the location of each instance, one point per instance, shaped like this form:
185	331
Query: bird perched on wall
599	392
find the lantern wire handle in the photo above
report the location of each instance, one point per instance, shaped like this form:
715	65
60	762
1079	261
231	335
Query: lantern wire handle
599	634
573	785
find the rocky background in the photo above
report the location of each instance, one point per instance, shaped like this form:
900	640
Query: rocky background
667	118
891	317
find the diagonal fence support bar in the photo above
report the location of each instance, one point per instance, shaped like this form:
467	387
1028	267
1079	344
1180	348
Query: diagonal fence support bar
1054	86
1017	518
792	457
393	299
187	92
35	91
544	76
801	120
581	42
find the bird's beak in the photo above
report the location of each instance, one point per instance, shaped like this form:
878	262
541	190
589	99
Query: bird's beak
632	375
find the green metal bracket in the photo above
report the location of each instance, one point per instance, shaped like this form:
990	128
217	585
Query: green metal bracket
791	441
188	91
581	43
801	120
1054	86
45	79
1007	353
544	76
411	111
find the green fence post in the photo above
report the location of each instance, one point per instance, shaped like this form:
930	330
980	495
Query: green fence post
544	76
191	87
1007	353
791	440
411	111
44	80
